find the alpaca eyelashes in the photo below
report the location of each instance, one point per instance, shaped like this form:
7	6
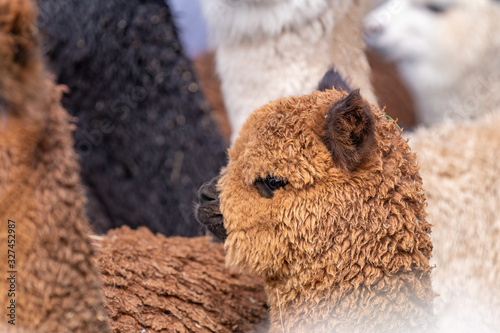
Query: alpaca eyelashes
267	186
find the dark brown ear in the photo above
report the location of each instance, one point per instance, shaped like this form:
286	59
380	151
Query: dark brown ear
333	79
350	131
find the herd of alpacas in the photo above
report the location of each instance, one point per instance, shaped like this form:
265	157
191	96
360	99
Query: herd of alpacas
324	215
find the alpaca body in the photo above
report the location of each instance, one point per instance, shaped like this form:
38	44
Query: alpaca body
317	309
448	79
267	50
461	178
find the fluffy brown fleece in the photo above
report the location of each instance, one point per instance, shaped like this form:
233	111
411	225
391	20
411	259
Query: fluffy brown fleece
20	65
56	287
339	250
174	285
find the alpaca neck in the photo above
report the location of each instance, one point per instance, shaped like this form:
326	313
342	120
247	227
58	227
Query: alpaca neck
293	61
401	302
347	51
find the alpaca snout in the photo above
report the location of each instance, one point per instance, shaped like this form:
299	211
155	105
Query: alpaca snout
207	210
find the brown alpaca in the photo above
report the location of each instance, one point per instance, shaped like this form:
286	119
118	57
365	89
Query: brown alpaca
339	235
56	285
176	284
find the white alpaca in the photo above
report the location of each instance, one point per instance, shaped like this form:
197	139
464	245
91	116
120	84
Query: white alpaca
447	51
267	49
461	175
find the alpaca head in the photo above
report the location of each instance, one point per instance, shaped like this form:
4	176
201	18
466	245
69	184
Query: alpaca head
435	42
321	186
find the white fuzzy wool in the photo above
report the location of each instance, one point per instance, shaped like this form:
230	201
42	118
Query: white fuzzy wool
237	20
461	176
447	51
279	48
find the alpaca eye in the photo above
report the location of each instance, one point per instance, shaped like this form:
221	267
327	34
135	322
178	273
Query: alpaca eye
437	8
274	183
267	186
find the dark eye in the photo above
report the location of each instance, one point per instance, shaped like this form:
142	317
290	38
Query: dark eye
274	183
267	186
437	8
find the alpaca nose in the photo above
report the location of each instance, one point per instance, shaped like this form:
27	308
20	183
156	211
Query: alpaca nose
208	191
207	210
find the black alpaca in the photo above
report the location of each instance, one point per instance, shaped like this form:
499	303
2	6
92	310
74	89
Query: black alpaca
145	133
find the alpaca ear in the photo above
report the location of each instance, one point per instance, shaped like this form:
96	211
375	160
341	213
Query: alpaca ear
350	131
333	79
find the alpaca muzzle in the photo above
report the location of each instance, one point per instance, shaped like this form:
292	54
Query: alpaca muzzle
207	210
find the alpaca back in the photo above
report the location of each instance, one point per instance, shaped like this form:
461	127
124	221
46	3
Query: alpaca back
461	178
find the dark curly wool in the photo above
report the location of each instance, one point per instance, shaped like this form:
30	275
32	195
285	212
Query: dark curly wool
145	134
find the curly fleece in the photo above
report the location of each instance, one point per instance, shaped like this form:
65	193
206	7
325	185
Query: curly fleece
462	180
340	250
56	285
145	133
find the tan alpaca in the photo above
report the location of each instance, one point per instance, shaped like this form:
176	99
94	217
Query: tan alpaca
322	199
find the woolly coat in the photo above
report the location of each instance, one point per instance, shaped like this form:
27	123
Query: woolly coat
343	250
269	50
145	133
161	284
53	283
462	180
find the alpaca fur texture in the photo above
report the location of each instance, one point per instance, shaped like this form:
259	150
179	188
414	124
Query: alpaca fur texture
342	245
446	51
271	49
56	285
174	284
462	182
145	134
